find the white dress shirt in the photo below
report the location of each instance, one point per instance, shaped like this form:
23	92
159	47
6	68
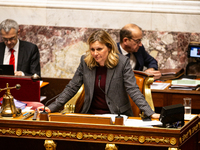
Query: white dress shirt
8	53
132	58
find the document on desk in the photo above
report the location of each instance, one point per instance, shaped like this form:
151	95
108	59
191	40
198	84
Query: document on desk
186	82
159	85
141	123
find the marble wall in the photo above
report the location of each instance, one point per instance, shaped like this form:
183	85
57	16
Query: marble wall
61	28
62	47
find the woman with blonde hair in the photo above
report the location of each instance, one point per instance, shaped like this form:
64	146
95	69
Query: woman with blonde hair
108	79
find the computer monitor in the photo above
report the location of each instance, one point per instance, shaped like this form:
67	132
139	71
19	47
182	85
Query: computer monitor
6	70
194	51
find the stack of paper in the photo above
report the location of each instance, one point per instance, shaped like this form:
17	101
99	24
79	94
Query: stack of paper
185	84
19	104
159	85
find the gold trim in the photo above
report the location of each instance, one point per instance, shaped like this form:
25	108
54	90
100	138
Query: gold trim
189	133
173	141
111	147
48	133
18	132
81	135
110	137
50	144
141	139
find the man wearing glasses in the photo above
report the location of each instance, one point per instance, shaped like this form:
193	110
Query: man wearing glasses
131	46
24	56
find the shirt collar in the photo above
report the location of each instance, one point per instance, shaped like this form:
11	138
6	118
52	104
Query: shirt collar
123	51
16	47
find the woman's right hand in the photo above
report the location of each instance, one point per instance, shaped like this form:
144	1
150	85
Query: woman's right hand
41	108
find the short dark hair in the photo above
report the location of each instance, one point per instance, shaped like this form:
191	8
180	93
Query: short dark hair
125	33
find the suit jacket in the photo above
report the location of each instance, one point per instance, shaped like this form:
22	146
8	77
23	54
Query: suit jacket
28	58
120	80
143	59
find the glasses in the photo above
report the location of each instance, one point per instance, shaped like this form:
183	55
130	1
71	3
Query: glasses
138	41
9	39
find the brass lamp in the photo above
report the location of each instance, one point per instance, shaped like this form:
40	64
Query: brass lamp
8	108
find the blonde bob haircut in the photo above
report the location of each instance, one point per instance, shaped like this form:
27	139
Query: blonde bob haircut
104	38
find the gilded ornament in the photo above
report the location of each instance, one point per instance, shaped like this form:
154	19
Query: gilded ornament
34	133
111	147
110	137
19	132
126	138
190	132
180	140
10	131
157	140
95	136
134	138
48	133
55	133
64	134
173	141
79	135
141	139
120	138
4	131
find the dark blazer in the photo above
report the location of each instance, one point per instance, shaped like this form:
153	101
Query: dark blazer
143	59
28	58
120	80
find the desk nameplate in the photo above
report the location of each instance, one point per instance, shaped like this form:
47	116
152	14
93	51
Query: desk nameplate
77	118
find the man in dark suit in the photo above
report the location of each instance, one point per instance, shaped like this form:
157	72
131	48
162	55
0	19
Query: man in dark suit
131	46
26	59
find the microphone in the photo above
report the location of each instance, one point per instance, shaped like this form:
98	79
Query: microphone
44	114
118	119
35	77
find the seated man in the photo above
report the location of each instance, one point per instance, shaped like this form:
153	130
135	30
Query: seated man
130	45
24	56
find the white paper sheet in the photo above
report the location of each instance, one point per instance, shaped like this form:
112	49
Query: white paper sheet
141	123
159	86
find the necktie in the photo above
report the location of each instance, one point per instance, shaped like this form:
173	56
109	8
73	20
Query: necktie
12	58
128	55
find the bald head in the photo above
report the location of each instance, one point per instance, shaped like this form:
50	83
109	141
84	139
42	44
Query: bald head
130	31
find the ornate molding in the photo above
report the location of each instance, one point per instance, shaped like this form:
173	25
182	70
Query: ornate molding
141	139
88	136
189	133
153	6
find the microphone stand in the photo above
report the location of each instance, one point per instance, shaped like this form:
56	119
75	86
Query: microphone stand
119	120
45	115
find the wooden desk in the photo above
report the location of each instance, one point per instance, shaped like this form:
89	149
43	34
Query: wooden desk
28	134
170	97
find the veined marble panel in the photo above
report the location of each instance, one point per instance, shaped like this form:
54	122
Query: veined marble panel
61	47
